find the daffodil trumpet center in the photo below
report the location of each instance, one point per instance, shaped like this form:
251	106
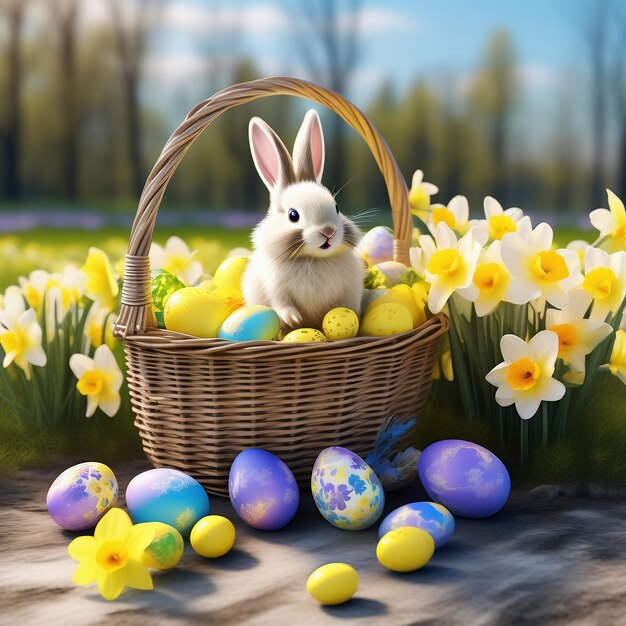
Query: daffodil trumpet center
441	214
500	225
599	282
419	199
523	374
550	266
112	555
445	262
487	277
568	337
90	383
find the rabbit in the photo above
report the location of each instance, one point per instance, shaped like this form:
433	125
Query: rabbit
304	261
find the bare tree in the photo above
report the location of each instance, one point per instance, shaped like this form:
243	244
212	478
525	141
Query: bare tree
14	12
327	40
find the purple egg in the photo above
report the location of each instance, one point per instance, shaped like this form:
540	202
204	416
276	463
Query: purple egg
262	489
466	478
81	495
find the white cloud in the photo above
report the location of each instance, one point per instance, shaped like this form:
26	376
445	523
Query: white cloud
378	20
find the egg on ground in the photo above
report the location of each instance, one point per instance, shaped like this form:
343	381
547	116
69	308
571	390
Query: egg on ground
405	549
333	583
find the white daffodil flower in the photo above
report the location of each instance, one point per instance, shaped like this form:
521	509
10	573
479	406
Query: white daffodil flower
490	283
177	259
420	193
447	264
539	271
455	215
611	223
577	336
605	281
20	334
524	378
499	222
617	363
99	379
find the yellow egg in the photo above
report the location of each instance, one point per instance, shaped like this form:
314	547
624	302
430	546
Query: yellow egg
340	323
333	583
208	284
166	548
406	297
212	536
230	271
386	319
405	549
195	311
304	335
232	296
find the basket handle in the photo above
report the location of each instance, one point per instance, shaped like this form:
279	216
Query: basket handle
136	310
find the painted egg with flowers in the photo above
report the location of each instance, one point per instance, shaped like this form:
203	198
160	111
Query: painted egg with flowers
346	490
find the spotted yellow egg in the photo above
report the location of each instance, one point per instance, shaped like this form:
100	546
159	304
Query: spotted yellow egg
212	536
230	272
166	548
195	311
405	549
406	297
386	319
333	583
340	323
304	335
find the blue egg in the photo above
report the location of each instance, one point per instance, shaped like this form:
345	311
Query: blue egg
168	496
251	323
466	478
434	518
262	489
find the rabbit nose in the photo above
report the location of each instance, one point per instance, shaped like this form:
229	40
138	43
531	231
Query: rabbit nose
328	231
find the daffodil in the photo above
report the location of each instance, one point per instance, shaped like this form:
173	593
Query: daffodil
490	283
112	558
177	259
579	246
499	222
420	193
447	264
99	379
617	363
100	283
20	334
69	284
605	281
577	336
34	287
538	270
524	378
611	223
455	215
99	326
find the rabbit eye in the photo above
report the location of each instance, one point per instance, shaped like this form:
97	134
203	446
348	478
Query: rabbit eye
294	216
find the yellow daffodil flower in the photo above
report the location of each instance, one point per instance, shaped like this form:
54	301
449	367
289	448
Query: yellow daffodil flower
177	259
20	334
99	379
617	363
99	324
538	270
605	281
112	558
611	223
420	193
498	222
447	264
577	336
524	378
455	215
34	287
100	283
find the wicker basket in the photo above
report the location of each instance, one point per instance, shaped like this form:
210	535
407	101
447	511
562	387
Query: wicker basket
199	402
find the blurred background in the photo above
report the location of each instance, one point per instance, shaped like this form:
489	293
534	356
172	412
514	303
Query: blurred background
523	101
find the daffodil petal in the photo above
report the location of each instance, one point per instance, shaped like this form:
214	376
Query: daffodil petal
552	390
527	406
83	548
111	584
114	525
139	538
103	359
504	397
497	376
137	576
109	403
513	348
602	220
86	572
80	363
545	347
492	207
438	296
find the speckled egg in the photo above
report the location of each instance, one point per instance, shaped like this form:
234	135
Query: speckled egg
434	518
386	319
304	335
376	246
262	489
162	285
168	496
195	311
346	490
81	495
340	323
166	548
251	323
466	478
406	297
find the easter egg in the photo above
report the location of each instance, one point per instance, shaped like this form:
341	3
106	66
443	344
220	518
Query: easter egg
168	496
386	319
405	549
434	518
406	297
304	335
340	323
376	246
230	271
81	495
162	285
346	490
232	296
466	478
393	271
262	489
166	548
333	583
195	311
250	323
213	536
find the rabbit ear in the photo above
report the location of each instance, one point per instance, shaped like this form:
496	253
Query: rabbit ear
271	158
308	149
